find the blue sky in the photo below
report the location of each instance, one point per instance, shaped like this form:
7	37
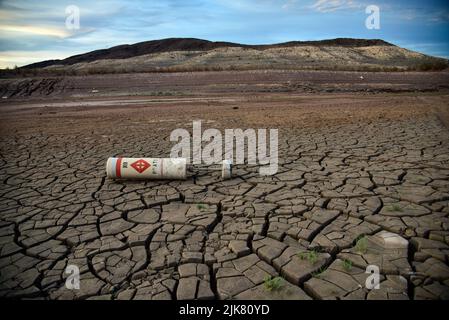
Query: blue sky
33	31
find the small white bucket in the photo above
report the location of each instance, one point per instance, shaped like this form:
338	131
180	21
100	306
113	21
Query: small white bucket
226	169
146	168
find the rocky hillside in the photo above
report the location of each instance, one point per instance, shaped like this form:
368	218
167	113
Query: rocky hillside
179	54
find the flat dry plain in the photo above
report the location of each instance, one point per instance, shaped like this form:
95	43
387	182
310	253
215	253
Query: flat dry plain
363	180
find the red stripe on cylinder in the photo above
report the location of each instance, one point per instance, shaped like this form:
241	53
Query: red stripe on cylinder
118	168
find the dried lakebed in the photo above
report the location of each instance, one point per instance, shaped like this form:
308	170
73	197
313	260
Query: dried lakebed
359	183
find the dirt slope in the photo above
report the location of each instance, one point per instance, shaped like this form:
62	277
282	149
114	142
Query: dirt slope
199	55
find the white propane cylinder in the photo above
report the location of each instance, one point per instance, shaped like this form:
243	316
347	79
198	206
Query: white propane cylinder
146	168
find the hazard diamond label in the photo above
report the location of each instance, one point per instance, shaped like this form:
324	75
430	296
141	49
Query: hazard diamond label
140	165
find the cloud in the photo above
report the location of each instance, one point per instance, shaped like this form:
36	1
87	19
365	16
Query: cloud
334	5
37	30
289	4
441	16
428	16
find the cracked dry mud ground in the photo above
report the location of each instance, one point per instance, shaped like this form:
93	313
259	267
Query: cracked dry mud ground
351	167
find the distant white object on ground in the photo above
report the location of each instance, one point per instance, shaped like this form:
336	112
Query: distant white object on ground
361	78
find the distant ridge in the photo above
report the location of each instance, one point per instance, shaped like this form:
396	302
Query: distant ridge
191	44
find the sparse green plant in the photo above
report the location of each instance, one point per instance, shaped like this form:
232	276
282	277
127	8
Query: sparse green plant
347	265
318	273
310	256
362	244
201	206
273	283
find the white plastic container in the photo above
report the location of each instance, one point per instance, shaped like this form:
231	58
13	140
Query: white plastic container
226	169
146	168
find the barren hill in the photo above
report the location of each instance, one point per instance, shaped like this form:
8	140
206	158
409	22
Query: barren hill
187	54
